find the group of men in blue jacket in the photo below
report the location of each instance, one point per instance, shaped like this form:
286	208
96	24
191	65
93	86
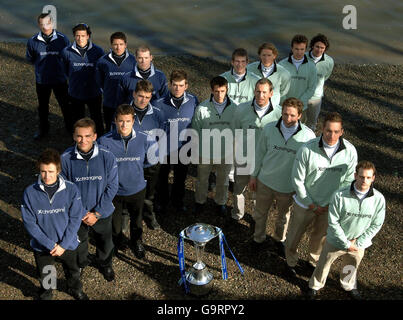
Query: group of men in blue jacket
92	183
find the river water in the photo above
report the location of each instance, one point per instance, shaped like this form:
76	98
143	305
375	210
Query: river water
214	29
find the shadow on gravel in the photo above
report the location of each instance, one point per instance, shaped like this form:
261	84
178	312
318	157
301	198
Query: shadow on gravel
11	268
12	231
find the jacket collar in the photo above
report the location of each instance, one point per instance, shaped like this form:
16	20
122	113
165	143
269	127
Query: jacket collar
40	38
370	191
290	60
341	144
270	109
244	76
137	73
278	125
321	59
62	183
274	69
110	56
94	154
171	103
74	46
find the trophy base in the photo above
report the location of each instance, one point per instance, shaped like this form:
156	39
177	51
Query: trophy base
200	281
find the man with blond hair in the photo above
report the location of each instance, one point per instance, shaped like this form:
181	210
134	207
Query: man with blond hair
144	70
267	68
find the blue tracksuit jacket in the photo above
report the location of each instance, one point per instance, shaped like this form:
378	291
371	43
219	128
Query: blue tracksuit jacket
81	71
130	159
96	179
51	221
47	57
108	75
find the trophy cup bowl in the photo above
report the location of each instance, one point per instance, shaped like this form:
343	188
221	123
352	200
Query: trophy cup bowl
198	277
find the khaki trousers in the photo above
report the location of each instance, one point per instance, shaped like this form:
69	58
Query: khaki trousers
264	199
301	220
348	272
238	197
312	113
203	172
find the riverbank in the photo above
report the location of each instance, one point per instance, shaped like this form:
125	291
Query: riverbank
369	97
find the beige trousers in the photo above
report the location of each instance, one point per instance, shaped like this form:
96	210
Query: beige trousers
238	196
264	200
300	221
312	113
203	172
349	266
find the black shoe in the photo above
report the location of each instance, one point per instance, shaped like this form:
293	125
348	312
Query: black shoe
78	294
355	294
180	209
312	294
160	209
198	208
280	248
121	243
291	271
45	294
139	250
40	135
221	210
108	273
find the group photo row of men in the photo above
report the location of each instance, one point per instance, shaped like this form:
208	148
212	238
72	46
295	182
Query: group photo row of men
108	181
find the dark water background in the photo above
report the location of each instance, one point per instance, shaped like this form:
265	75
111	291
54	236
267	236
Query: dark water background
214	29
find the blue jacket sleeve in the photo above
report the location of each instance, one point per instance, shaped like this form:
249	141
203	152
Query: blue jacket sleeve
76	213
104	205
30	224
30	53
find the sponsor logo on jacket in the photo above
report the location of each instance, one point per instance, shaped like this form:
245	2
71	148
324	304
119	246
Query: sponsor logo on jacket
91	178
83	64
116	73
127	159
179	120
284	149
298	78
330	169
44	53
358	215
51	211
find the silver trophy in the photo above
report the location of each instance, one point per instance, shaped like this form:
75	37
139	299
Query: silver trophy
198	277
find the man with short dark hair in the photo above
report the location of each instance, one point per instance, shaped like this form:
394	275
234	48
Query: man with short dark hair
356	214
241	84
303	73
109	71
51	212
324	66
214	116
130	148
94	171
267	68
144	70
148	119
177	108
271	179
80	60
44	51
322	166
251	115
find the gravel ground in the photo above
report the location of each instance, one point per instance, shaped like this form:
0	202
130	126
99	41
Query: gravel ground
369	98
